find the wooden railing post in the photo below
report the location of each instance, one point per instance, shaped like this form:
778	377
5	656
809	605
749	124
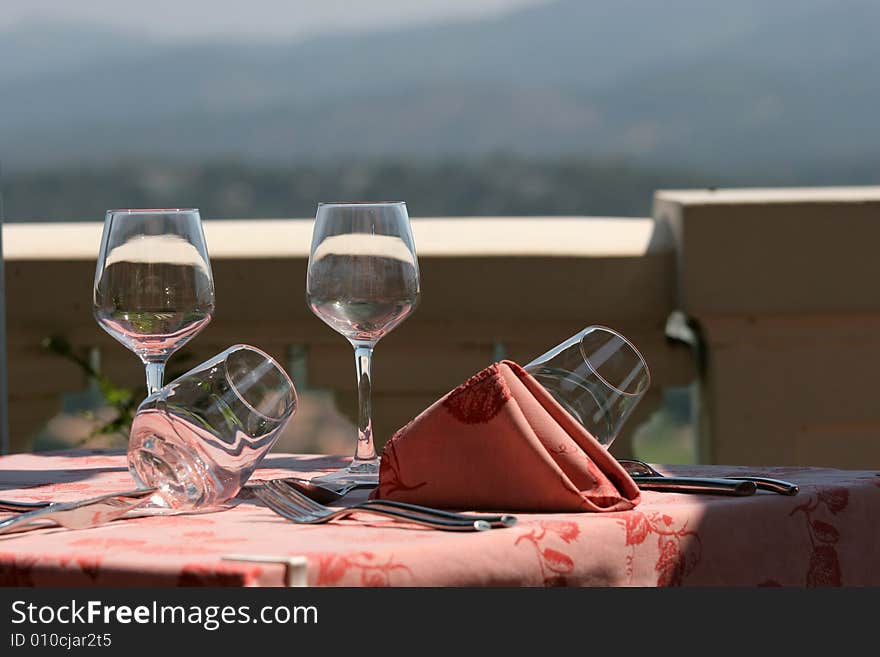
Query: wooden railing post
782	288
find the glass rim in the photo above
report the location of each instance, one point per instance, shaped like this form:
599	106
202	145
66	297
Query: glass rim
361	203
626	341
239	347
152	210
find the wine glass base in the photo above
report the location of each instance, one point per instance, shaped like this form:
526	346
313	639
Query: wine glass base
363	472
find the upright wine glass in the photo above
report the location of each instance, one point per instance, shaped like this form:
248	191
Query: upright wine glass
363	280
154	289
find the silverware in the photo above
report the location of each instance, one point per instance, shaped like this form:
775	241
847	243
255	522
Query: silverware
333	492
81	514
704	485
12	505
773	485
293	505
645	473
324	493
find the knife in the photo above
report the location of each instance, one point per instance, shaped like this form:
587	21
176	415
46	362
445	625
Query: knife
81	514
718	486
641	470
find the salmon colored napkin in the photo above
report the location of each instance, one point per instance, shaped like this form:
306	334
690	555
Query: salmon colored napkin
500	442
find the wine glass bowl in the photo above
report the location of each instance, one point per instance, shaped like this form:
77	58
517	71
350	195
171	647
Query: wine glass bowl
362	281
154	290
363	277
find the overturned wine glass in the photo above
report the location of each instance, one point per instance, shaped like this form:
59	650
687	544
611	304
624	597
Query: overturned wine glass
598	376
200	437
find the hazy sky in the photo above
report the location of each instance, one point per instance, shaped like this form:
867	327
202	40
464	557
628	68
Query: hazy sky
248	19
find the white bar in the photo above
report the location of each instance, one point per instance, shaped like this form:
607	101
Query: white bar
582	237
766	195
296	568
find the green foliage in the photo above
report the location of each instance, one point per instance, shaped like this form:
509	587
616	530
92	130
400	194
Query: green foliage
123	400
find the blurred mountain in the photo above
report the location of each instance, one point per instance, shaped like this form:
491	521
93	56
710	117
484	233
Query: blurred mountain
716	86
39	48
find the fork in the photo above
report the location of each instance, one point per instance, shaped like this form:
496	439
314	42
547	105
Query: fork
322	494
17	506
295	506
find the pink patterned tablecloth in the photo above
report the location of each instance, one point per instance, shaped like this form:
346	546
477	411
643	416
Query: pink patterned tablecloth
828	535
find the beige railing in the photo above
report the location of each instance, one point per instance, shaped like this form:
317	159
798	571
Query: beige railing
783	287
777	287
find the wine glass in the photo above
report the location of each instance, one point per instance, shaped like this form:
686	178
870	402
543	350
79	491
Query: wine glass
598	376
154	289
363	280
199	438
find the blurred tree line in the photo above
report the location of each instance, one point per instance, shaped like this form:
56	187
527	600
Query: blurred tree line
498	185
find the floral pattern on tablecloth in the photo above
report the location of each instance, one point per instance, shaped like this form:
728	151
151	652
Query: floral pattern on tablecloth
828	535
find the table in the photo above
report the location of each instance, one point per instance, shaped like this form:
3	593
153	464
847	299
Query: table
828	535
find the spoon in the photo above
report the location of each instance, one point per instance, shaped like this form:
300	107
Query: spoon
325	493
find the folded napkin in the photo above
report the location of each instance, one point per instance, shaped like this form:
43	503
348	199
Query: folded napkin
500	442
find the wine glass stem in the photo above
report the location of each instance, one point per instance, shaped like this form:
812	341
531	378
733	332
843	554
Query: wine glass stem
366	451
155	374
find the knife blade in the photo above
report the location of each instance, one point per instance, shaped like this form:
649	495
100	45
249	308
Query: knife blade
705	485
81	514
